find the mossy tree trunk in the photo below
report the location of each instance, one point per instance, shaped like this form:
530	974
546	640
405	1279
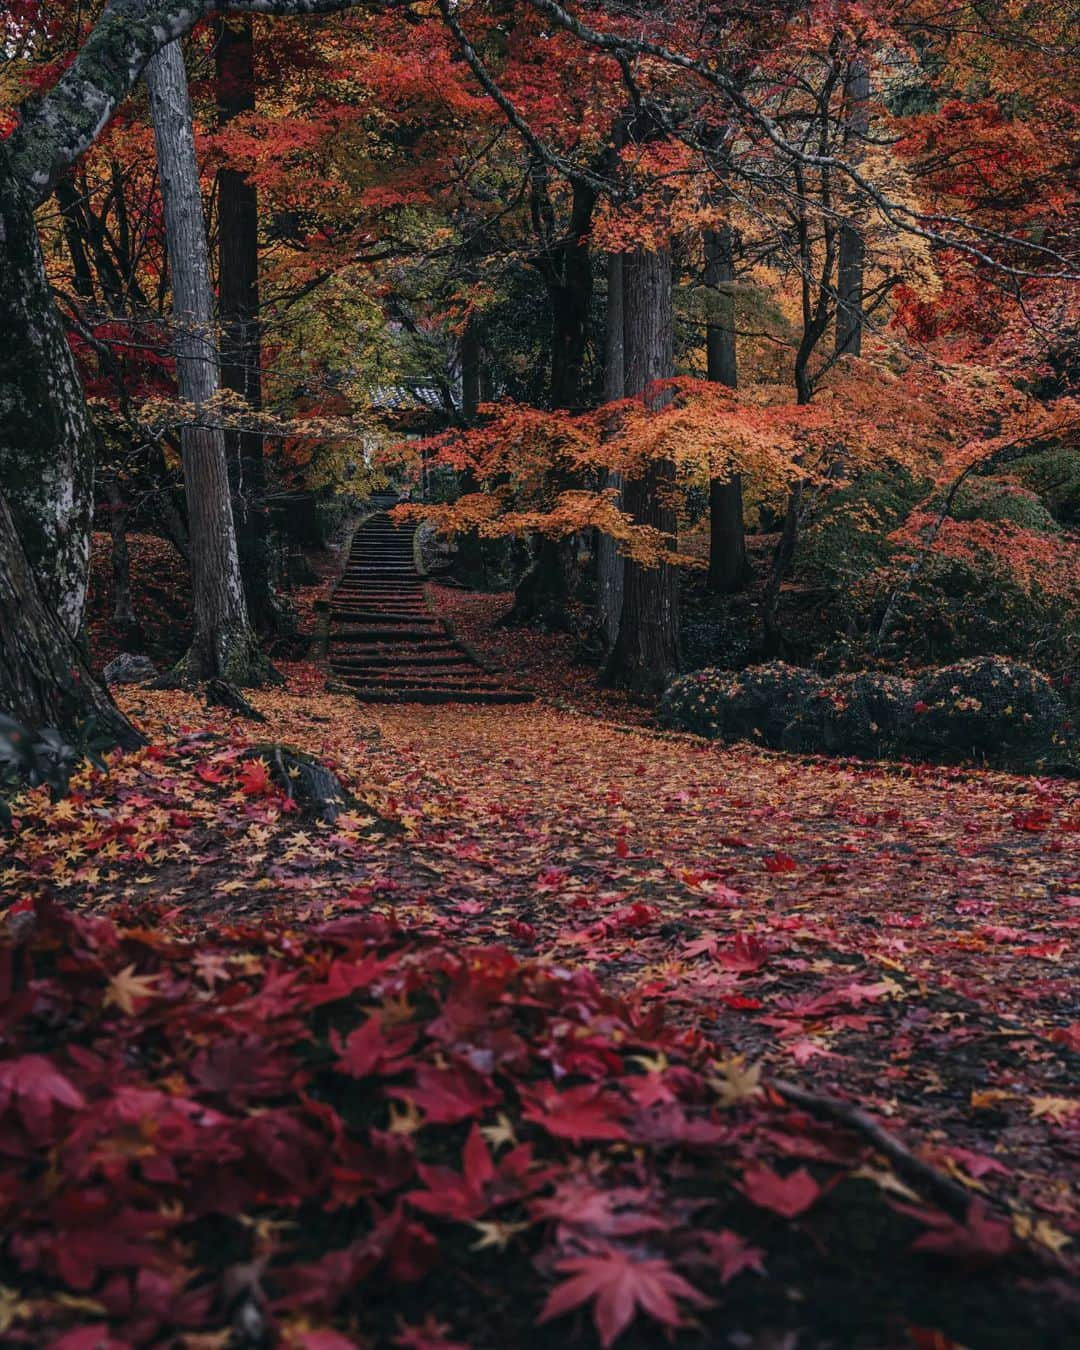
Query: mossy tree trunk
46	437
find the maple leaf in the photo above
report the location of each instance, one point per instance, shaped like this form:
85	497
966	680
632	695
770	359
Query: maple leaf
621	1283
372	1050
790	1196
981	1240
731	1253
126	988
449	1095
255	779
1057	1109
579	1113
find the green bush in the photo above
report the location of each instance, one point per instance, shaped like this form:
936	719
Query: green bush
989	708
1055	475
849	539
772	705
998	499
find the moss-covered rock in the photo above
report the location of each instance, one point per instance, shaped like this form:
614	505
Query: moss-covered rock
989	708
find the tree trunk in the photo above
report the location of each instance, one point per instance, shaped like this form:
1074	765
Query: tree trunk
852	253
46	437
727	533
123	610
610	562
238	303
44	678
646	653
223	644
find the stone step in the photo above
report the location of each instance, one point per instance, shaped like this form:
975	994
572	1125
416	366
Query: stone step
429	668
385	634
368	695
429	643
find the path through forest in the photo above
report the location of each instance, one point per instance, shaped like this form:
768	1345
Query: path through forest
891	937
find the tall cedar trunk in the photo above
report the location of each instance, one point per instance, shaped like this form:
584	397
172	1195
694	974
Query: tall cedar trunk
223	644
610	563
544	590
646	653
727	532
123	610
470	545
238	302
44	678
46	437
852	253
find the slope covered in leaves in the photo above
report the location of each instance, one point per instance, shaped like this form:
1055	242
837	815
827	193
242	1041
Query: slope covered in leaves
518	1048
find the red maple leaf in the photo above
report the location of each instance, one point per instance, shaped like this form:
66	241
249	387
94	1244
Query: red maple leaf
370	1049
36	1087
621	1283
255	779
481	1185
791	1195
449	1095
584	1112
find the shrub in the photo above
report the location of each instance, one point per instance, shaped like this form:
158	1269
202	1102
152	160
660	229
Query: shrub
716	639
773	705
850	539
868	714
1055	475
989	708
997	499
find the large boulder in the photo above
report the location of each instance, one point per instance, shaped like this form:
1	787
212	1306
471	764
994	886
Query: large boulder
129	668
992	709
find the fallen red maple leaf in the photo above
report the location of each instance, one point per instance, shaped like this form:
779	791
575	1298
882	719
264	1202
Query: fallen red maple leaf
35	1087
584	1112
621	1283
791	1195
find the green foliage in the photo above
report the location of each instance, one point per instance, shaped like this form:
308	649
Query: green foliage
998	499
988	709
963	607
850	537
1055	475
30	758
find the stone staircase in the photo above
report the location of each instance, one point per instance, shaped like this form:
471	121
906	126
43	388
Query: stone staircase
384	642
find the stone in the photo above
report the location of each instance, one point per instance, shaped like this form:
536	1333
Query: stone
129	668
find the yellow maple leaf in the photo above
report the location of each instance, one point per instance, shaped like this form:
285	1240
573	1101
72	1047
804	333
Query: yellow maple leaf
1057	1109
126	987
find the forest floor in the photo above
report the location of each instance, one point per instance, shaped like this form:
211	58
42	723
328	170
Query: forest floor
526	1031
897	939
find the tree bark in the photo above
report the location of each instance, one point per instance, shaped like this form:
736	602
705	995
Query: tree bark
223	644
646	653
727	533
44	678
610	562
852	252
238	303
46	437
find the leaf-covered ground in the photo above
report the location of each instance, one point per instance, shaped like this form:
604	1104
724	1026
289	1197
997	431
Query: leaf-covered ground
368	1084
